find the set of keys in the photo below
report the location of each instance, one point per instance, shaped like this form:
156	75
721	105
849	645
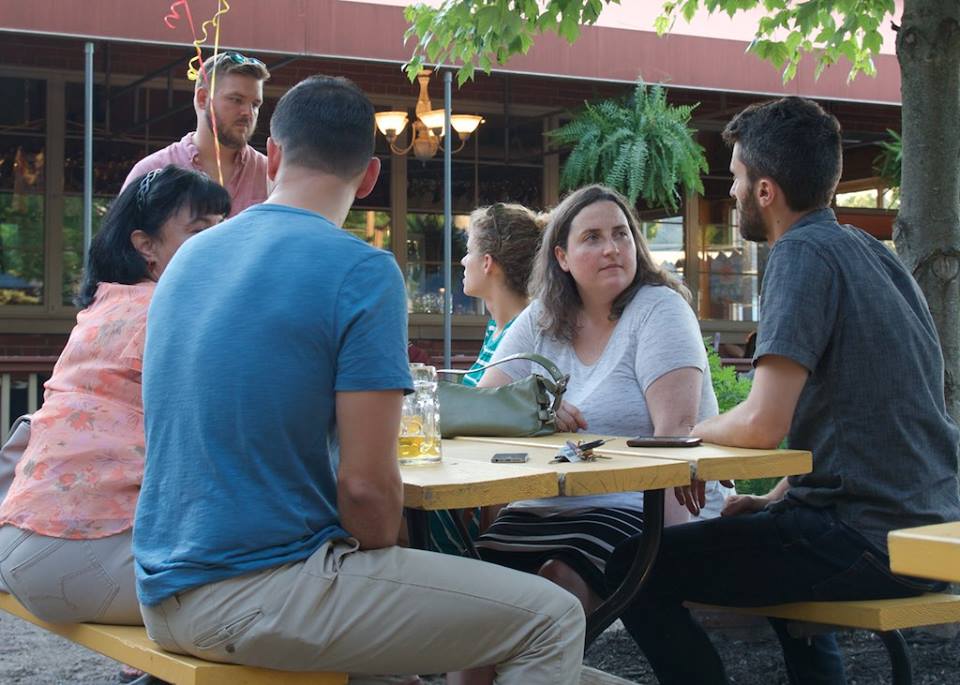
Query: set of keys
574	452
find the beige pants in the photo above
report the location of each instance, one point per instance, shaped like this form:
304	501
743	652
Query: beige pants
70	581
393	610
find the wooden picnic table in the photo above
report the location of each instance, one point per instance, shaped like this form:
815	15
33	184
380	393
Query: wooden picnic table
706	461
927	551
467	478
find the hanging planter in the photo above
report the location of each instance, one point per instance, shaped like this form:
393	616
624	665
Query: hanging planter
642	147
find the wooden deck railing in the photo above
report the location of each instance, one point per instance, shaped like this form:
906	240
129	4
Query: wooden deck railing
17	369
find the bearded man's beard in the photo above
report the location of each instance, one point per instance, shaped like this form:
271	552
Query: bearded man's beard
226	136
752	227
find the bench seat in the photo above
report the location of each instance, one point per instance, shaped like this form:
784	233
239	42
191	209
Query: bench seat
885	617
130	645
878	615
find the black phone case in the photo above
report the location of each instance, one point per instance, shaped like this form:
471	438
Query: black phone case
664	441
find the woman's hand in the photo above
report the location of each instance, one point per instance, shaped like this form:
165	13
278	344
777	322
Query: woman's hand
569	419
694	496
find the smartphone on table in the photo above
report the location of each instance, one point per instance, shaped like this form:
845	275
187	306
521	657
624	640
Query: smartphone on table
663	441
509	458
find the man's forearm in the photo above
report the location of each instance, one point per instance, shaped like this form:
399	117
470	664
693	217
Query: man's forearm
372	517
739	427
780	490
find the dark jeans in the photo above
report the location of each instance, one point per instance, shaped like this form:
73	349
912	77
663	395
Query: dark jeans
792	555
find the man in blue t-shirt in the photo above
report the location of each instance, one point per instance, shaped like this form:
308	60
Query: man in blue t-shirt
274	372
841	320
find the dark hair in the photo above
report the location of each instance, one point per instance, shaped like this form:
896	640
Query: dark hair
145	204
325	123
556	289
796	143
231	62
510	234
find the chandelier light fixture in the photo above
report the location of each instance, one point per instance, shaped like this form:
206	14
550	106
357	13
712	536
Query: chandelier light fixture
427	128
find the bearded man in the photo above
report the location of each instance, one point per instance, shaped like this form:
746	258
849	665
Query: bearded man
848	366
229	118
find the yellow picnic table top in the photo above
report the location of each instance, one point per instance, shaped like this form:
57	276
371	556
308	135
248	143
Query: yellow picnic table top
927	551
467	478
457	483
706	461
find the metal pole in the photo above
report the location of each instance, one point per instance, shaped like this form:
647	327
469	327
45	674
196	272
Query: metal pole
447	218
87	150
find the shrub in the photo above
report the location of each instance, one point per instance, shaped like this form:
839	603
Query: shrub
731	389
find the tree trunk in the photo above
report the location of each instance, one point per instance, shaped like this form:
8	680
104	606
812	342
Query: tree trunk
927	230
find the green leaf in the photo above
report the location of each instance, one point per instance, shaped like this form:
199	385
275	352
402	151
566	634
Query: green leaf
873	41
793	41
465	73
642	146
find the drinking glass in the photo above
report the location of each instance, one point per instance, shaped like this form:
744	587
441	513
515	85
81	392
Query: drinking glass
420	421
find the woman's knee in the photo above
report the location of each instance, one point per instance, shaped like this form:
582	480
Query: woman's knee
559	572
562	574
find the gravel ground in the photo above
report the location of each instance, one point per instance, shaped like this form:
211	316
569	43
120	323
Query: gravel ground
29	655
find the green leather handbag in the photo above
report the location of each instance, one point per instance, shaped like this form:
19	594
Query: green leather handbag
523	408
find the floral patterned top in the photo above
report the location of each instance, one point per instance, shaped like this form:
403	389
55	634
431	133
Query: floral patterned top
80	474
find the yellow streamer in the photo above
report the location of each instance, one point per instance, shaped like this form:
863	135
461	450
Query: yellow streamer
193	72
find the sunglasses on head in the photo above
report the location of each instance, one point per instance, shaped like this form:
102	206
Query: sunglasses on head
237	58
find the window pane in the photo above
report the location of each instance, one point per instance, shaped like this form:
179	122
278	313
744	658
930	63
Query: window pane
21	248
369	226
425	265
73	240
472	185
665	239
731	271
22	184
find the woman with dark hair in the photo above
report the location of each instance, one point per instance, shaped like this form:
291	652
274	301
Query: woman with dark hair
622	327
65	525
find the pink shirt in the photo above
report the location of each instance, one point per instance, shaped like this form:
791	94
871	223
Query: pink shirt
248	186
80	475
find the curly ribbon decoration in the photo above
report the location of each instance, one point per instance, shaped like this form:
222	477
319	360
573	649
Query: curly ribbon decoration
195	68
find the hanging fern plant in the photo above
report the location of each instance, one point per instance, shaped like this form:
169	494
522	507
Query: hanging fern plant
642	147
890	160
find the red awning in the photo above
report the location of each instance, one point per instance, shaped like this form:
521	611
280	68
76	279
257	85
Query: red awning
357	30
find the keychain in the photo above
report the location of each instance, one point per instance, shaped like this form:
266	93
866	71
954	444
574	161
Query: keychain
580	451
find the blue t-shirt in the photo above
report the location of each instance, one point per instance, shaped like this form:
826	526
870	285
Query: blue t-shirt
255	326
838	302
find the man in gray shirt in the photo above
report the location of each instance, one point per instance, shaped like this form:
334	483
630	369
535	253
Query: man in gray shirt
841	322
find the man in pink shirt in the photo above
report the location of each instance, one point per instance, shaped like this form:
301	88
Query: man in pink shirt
237	96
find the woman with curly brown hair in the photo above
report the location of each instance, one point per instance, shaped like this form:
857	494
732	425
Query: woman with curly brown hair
622	327
502	241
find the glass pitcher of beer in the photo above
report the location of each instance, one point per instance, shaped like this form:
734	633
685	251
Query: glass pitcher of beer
420	421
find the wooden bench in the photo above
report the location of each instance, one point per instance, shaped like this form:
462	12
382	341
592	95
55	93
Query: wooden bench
130	645
885	617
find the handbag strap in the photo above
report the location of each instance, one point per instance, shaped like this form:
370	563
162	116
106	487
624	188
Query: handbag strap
559	377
